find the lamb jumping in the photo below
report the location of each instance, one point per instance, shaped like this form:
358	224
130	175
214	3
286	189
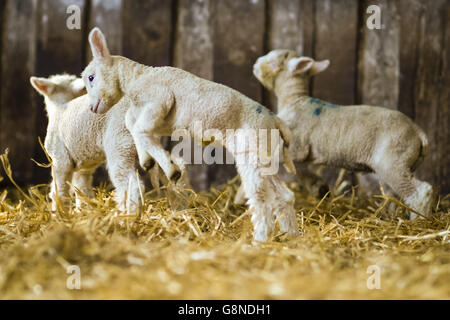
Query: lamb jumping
78	142
358	138
167	99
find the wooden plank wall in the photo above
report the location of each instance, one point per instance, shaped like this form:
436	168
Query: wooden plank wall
403	66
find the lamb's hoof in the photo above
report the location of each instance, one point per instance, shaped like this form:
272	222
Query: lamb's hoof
176	175
294	233
320	190
149	164
240	201
323	190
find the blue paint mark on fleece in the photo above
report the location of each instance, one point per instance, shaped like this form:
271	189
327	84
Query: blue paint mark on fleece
260	110
321	104
318	111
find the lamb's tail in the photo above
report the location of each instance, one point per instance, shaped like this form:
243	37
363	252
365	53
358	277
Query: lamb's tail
286	136
424	148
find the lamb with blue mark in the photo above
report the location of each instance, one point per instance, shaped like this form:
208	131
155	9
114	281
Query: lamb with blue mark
358	138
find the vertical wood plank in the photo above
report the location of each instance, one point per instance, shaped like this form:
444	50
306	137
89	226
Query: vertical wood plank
148	27
336	39
238	42
107	15
428	109
444	109
410	17
194	53
2	27
18	113
379	65
58	50
147	31
290	26
194	37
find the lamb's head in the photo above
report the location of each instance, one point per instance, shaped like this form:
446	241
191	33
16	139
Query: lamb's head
59	89
280	65
101	75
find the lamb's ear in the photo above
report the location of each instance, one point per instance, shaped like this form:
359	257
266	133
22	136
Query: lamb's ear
320	66
300	65
43	85
98	45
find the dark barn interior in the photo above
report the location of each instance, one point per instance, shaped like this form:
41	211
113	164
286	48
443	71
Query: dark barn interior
403	65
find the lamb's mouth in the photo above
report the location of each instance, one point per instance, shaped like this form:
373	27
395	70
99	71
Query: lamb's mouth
94	109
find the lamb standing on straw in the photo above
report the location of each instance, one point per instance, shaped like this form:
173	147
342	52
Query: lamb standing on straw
167	99
78	142
359	138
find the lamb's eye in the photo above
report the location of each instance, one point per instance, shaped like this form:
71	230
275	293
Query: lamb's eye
91	78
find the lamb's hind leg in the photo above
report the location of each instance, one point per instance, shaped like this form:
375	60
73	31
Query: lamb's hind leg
283	205
239	198
62	172
267	195
123	174
416	194
256	189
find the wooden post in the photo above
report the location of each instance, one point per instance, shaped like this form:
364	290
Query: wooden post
443	133
58	50
107	15
18	112
238	42
336	39
428	110
411	11
194	53
379	64
147	31
290	26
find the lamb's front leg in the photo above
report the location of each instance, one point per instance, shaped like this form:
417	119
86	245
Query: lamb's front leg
314	183
240	198
82	182
148	143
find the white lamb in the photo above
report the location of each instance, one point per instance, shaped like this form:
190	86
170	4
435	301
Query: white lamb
358	138
78	142
168	99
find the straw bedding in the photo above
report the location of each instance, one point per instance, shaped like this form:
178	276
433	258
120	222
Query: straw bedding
199	246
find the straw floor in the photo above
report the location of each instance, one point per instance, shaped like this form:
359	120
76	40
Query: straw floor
199	246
